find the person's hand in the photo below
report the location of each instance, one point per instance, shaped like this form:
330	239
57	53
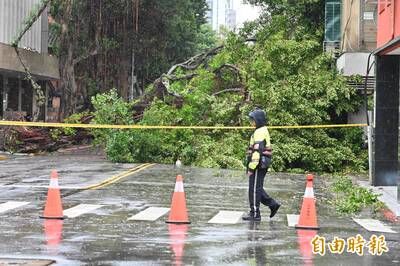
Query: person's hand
249	173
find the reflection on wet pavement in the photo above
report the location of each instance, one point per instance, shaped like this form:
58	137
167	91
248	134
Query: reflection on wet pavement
53	234
177	236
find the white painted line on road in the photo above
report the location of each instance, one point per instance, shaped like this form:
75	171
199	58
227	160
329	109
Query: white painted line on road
226	217
80	209
12	205
195	185
292	219
150	214
374	225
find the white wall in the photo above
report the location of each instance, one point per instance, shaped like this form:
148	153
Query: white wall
12	15
355	64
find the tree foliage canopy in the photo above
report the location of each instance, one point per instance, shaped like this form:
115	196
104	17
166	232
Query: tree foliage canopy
124	44
284	72
303	14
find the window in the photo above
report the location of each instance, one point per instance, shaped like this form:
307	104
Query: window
332	21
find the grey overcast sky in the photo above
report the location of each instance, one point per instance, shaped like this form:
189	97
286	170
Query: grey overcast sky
245	12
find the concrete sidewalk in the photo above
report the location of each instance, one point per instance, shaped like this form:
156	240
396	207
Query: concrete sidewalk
388	195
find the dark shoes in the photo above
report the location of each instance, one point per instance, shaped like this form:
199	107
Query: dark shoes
252	217
255	216
274	210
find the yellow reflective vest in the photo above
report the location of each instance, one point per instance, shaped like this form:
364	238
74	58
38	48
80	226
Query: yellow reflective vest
259	135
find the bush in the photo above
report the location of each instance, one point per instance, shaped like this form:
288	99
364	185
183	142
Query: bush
350	198
68	131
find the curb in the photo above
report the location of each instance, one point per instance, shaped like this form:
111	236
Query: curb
76	148
390	215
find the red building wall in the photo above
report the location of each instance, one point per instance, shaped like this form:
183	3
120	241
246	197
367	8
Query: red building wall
388	21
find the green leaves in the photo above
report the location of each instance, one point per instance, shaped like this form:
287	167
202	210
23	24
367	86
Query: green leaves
111	109
350	198
306	16
289	79
285	73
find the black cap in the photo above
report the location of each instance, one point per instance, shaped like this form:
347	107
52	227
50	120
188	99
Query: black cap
259	117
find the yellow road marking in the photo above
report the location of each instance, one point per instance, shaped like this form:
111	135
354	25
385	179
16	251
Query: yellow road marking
118	177
125	175
40	124
3	158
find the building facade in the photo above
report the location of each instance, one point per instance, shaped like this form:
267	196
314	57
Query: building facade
350	33
17	99
350	25
221	13
386	98
230	17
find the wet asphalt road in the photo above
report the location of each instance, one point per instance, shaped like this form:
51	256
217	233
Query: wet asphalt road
106	237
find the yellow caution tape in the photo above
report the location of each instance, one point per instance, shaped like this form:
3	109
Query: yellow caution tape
319	126
62	125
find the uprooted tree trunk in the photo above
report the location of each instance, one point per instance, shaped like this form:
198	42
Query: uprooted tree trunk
161	85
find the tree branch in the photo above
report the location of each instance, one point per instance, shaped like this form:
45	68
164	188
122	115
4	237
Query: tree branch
161	84
39	95
85	56
233	67
30	23
176	78
228	90
93	52
195	61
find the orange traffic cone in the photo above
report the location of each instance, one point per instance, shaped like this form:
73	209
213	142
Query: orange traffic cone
178	213
53	208
308	214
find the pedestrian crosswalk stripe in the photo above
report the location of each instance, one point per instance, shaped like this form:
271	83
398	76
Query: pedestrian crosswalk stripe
12	205
80	209
150	214
226	217
38	186
374	225
292	219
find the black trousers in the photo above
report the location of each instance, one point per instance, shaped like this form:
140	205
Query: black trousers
257	193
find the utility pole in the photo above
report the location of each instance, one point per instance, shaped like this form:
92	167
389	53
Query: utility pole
135	21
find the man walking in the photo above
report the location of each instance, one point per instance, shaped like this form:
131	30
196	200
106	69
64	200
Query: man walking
259	155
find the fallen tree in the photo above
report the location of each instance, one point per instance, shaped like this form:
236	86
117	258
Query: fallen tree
160	88
285	73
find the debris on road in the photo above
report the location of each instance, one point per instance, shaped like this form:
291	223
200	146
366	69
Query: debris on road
35	140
